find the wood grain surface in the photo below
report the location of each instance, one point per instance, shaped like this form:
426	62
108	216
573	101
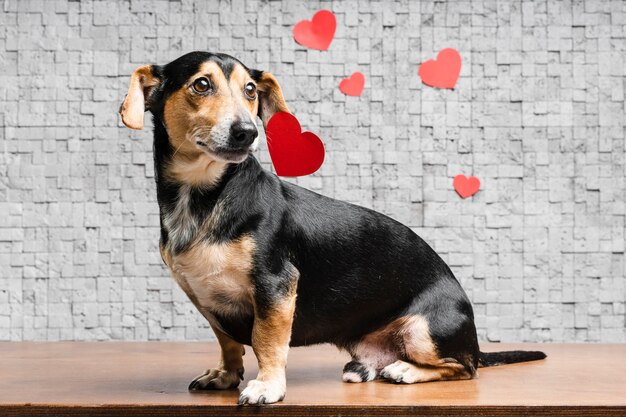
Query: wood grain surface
151	378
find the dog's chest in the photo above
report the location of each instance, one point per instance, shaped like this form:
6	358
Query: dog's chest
216	276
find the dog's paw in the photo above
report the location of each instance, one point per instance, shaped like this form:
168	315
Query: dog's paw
262	392
355	371
217	379
402	372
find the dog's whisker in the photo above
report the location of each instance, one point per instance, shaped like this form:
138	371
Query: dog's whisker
177	149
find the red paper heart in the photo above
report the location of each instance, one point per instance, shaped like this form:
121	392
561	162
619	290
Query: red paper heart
353	86
442	72
318	32
294	153
466	187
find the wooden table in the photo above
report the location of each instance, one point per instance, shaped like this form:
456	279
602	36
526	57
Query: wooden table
141	379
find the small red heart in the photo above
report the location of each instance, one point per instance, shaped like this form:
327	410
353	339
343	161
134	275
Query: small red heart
318	32
466	187
442	72
353	86
294	153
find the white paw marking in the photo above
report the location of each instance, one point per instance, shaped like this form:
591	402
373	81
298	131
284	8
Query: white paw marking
371	374
262	392
403	372
351	377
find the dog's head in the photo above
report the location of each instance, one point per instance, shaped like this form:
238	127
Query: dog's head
207	102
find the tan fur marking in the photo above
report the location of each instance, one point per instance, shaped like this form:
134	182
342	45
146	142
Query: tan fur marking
232	352
239	77
422	361
184	285
165	255
197	170
218	274
229	371
271	97
405	346
410	373
379	348
188	117
185	110
418	344
133	108
271	335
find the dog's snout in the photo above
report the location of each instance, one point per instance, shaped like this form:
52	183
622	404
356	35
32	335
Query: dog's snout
243	133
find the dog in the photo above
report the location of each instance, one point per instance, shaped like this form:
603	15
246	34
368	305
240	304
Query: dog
273	265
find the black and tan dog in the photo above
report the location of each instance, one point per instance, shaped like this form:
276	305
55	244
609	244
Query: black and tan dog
272	265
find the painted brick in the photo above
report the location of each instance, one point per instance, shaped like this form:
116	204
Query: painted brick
537	115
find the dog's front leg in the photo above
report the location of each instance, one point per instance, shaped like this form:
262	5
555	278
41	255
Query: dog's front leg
270	341
229	371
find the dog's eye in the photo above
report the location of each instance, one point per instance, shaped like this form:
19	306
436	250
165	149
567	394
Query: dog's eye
201	85
250	90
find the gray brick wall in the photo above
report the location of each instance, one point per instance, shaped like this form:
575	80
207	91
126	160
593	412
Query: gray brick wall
537	115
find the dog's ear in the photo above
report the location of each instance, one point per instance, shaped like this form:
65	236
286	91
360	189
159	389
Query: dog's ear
271	100
142	84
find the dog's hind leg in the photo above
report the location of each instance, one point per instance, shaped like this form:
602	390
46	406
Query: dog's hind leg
422	361
371	354
357	371
410	373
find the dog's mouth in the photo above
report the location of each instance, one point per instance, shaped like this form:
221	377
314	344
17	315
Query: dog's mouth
225	154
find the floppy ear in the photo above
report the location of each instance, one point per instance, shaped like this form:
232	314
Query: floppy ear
142	84
271	100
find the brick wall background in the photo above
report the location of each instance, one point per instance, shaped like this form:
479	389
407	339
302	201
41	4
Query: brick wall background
537	115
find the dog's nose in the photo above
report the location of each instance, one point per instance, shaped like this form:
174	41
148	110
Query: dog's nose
243	133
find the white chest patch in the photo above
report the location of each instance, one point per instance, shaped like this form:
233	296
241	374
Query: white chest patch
217	276
180	224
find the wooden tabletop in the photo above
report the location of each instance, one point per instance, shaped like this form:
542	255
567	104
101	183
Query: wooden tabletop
115	378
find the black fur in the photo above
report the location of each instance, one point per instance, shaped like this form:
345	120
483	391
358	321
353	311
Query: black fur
513	356
358	269
358	368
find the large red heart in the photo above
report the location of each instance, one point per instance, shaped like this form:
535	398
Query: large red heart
318	32
294	153
442	72
466	187
353	86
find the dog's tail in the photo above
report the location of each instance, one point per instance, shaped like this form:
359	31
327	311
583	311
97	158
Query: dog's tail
512	356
